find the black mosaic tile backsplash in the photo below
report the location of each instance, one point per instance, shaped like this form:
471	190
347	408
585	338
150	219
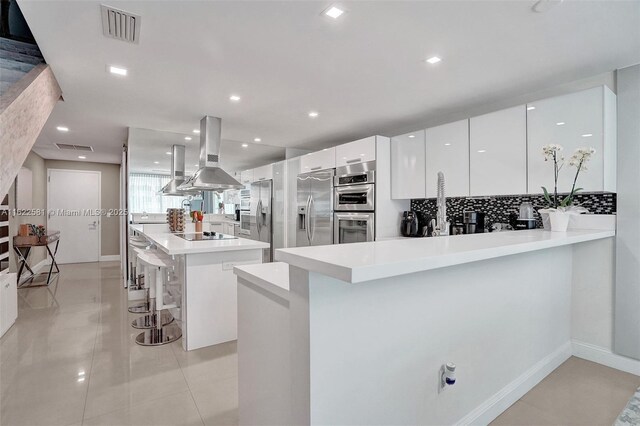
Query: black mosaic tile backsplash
498	208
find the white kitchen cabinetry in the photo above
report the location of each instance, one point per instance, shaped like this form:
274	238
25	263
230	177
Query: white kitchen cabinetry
246	177
263	173
227	228
359	151
447	148
320	160
498	152
576	120
8	301
408	166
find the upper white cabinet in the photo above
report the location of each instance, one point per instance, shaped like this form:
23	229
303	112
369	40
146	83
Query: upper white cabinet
498	152
359	151
408	166
582	119
320	160
447	150
246	177
263	173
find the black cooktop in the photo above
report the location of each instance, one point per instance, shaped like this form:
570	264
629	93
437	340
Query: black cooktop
205	236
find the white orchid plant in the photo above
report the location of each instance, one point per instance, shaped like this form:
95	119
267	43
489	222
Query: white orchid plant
579	160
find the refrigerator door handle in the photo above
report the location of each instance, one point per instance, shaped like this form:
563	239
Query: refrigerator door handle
258	211
312	230
307	220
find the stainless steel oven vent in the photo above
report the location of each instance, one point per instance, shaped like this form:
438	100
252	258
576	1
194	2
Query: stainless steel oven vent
120	25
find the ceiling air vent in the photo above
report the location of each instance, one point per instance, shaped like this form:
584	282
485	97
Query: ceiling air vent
74	147
120	25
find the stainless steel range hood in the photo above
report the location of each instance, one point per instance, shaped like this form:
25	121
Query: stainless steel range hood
177	174
210	177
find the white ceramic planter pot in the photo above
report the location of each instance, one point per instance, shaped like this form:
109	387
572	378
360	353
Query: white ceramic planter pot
559	221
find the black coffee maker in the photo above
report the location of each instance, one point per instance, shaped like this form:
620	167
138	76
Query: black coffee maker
473	222
410	225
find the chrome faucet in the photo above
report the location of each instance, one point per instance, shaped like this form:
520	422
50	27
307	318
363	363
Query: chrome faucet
440	225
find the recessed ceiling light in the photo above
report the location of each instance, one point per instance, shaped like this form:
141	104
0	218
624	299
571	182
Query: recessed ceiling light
196	165
168	152
587	135
433	60
117	70
313	114
187	138
234	98
62	129
361	155
530	108
412	136
196	131
560	123
482	150
447	144
326	149
244	145
257	140
156	162
82	157
334	12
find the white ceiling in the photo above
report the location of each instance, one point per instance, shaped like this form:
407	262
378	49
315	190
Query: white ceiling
148	146
365	73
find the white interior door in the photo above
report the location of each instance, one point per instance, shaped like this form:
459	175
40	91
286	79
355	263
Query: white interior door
73	197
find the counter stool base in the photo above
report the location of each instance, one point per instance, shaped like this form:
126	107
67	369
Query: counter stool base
150	321
143	308
159	336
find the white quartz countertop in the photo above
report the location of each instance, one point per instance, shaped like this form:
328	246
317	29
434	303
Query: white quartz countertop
273	277
361	262
171	244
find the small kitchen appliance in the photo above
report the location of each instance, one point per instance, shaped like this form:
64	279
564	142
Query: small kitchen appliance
473	222
410	226
526	219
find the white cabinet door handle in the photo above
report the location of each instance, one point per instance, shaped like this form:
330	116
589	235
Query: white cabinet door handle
355	160
316	168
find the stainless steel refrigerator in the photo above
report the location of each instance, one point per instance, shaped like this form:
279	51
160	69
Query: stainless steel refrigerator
260	216
315	209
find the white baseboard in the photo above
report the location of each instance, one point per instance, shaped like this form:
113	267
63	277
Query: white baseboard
110	258
503	399
604	356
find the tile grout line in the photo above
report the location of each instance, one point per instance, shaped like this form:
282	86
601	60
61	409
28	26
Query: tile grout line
188	386
93	356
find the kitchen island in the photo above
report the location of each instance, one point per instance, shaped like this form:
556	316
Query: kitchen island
358	333
205	282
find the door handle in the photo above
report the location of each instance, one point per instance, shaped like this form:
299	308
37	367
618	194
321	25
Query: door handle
355	160
258	216
312	230
306	219
316	168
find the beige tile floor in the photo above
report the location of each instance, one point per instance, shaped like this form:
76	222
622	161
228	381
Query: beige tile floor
578	392
70	360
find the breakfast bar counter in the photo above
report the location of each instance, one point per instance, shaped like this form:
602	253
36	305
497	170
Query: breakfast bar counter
362	331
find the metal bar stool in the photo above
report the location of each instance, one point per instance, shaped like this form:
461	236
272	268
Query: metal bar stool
153	272
160	334
142	281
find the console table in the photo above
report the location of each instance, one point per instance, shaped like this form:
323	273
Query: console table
23	245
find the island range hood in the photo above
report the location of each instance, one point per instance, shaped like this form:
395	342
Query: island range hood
210	177
177	174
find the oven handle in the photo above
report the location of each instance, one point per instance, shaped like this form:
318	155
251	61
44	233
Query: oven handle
353	216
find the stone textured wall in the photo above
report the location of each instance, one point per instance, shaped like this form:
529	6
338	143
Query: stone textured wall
24	109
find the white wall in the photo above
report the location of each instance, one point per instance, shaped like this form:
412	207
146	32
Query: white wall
627	302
